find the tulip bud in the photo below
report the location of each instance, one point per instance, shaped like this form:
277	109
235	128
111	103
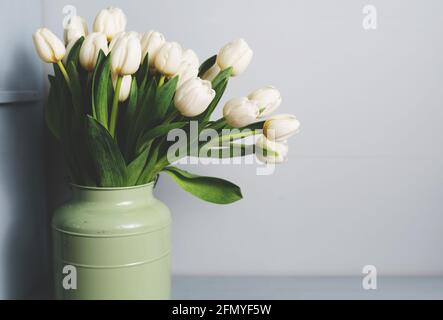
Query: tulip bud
240	112
90	49
151	42
185	72
75	29
126	55
190	57
125	87
110	21
121	34
169	58
281	127
193	97
50	48
211	73
269	151
268	99
237	55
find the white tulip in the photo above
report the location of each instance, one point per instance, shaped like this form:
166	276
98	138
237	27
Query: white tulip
75	29
268	99
90	49
68	50
279	128
211	73
126	55
237	55
190	57
151	42
125	87
50	48
185	72
169	58
193	97
110	21
269	151
240	112
121	34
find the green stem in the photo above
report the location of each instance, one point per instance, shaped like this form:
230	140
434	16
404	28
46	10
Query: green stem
65	74
171	117
161	82
220	123
114	112
163	161
229	137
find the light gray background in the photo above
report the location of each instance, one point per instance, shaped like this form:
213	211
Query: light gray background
363	184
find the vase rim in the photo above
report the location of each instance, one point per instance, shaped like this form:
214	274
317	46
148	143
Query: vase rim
89	188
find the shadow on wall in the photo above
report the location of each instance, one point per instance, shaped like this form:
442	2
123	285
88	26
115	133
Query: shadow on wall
23	219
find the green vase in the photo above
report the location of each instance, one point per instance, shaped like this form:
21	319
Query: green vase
112	243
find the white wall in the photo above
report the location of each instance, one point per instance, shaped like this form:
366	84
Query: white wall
364	181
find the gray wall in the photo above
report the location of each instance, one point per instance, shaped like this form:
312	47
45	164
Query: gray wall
364	181
23	219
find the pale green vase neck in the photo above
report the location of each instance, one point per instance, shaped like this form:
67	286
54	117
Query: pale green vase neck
139	194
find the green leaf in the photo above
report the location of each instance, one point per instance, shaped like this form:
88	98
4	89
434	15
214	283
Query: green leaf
130	118
158	131
108	162
221	77
147	173
205	66
210	189
219	91
76	89
144	113
75	51
163	99
143	71
53	110
100	82
135	168
64	104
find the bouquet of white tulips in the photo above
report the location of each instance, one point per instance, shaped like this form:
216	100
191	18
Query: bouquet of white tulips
115	96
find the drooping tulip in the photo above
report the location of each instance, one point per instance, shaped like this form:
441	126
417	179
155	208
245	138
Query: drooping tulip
125	87
126	55
185	72
235	54
48	46
269	151
169	58
193	97
211	73
75	29
240	112
268	99
151	42
110	21
280	127
90	49
190	57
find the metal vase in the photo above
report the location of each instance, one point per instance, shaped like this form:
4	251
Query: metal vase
112	243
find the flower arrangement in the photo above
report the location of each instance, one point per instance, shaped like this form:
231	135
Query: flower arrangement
115	96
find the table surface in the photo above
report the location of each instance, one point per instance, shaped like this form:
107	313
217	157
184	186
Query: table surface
298	288
288	288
